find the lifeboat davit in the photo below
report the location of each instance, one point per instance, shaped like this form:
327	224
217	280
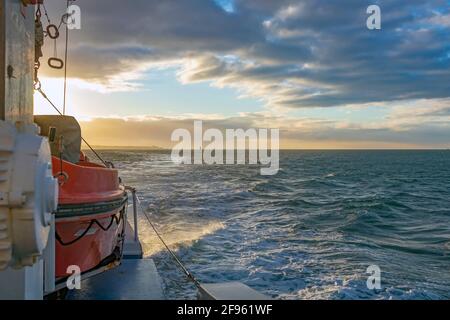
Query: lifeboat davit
91	214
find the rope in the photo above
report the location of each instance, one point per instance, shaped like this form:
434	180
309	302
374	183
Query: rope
95	152
94	221
60	113
188	274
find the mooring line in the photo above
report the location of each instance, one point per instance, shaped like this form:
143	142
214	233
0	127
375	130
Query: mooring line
188	274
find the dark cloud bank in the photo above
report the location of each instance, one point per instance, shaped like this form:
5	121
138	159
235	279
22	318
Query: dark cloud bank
290	54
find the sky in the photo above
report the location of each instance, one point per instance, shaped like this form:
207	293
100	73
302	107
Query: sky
140	69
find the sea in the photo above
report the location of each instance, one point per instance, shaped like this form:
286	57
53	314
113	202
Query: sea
316	230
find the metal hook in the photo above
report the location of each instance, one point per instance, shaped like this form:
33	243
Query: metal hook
38	12
65	18
62	177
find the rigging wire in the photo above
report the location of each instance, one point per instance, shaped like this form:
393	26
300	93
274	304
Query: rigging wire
38	86
65	60
46	13
60	113
188	274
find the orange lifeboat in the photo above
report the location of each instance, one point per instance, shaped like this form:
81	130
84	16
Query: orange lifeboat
91	214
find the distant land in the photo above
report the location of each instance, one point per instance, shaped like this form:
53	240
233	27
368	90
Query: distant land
152	148
124	148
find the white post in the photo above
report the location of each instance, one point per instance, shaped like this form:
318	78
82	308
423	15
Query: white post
22	284
49	261
135	216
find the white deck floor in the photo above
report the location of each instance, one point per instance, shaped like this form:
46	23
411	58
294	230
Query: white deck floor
134	279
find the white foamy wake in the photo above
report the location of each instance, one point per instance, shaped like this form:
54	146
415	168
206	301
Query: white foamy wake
175	237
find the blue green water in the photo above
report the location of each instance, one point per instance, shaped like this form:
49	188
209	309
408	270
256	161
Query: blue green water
311	231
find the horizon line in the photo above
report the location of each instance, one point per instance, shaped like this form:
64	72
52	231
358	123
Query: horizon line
156	148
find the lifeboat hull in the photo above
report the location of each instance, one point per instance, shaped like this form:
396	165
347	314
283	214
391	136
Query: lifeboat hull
90	220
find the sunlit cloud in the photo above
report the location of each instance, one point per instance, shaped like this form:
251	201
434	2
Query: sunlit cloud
285	54
410	125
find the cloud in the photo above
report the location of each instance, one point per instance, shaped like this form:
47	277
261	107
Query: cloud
442	20
289	54
409	125
421	113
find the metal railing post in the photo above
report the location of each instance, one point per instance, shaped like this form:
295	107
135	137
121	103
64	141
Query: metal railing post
135	212
135	216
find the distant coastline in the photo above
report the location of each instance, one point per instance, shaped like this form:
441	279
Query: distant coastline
157	148
149	148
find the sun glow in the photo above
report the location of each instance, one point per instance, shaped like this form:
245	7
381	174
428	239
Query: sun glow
54	89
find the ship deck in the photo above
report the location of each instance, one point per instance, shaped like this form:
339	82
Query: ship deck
135	279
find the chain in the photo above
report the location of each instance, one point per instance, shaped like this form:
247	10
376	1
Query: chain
39	43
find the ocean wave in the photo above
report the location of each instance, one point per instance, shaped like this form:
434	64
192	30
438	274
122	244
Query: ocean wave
309	232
